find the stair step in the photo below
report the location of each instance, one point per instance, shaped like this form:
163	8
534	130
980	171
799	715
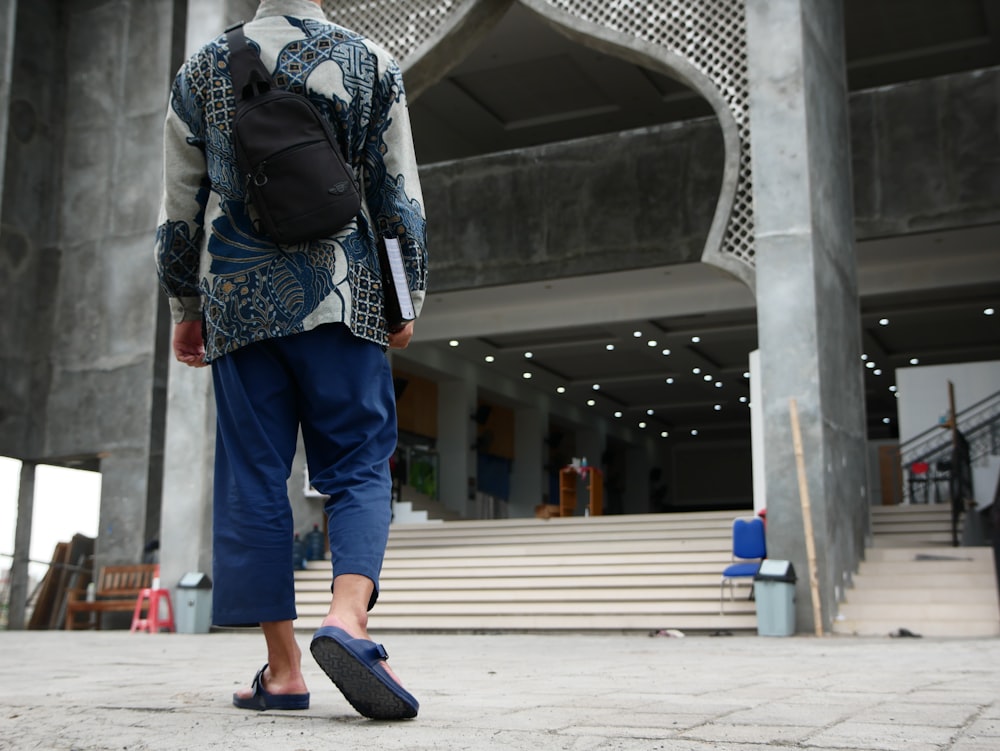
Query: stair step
919	595
950	629
913	612
379	622
923	553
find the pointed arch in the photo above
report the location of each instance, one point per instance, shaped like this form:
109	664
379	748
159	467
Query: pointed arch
704	46
701	44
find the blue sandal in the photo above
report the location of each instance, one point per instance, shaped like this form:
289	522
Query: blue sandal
355	666
261	699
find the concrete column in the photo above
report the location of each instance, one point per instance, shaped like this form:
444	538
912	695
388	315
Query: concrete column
456	436
527	482
637	488
22	548
807	301
8	16
121	534
189	456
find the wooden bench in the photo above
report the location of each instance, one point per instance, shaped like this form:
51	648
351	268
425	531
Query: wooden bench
117	590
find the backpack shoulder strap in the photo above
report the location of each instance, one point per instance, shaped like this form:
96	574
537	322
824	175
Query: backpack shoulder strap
249	75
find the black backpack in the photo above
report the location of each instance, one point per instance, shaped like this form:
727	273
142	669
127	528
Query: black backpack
295	175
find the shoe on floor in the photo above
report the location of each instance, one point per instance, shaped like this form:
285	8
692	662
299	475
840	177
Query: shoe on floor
261	699
355	666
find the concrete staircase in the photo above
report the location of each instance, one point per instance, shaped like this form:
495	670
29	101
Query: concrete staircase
639	572
414	507
913	579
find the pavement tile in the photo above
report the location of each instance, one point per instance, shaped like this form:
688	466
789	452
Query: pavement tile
883	737
87	691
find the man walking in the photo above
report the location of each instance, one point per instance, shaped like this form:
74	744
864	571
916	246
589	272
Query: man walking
295	336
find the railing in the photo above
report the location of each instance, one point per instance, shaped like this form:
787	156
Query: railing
932	457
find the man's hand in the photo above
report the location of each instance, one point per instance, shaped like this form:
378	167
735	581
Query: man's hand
189	345
400	338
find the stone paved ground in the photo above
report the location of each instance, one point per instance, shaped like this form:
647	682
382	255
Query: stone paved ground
92	691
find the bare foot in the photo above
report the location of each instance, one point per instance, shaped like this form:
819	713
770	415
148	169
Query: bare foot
293	684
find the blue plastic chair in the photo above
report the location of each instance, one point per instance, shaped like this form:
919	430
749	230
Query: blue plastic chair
749	549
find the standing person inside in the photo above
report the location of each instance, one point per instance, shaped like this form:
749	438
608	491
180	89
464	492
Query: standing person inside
296	338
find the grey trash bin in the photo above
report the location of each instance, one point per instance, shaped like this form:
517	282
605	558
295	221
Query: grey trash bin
194	604
774	591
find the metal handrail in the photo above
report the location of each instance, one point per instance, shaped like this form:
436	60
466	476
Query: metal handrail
935	449
980	405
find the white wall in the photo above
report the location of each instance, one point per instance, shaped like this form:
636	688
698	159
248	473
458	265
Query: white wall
923	402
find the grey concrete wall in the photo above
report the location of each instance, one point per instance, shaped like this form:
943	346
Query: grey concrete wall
926	154
635	199
925	157
30	256
8	18
82	185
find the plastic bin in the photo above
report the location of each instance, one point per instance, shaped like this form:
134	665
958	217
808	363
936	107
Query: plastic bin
774	591
194	604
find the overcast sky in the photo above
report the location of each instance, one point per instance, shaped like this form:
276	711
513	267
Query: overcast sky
67	502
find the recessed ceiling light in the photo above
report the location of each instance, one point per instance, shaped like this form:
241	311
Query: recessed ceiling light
914	361
618	414
706	378
637	334
718	384
649	412
694	432
717	407
596	387
886	420
696	371
870	364
453	343
642	425
664	434
651	343
670	380
883	321
743	400
526	374
666	352
609	347
746	373
877	371
864	356
988	311
560	389
489	358
695	339
591	402
528	355
892	389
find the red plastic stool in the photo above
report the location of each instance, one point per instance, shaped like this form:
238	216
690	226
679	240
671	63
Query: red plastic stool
152	622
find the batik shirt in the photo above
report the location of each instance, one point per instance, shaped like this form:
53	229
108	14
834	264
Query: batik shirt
213	264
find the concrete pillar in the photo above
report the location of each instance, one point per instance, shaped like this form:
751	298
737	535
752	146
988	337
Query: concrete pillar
527	482
807	301
637	487
8	16
456	437
22	548
189	456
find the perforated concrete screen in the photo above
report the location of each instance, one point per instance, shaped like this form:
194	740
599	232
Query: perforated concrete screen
703	42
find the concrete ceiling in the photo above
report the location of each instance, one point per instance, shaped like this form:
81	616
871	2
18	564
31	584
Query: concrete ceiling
526	85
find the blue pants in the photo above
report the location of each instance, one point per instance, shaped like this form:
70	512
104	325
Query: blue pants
338	388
